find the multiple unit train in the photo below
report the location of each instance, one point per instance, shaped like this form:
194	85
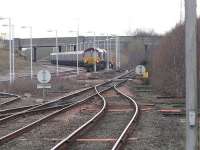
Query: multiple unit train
86	58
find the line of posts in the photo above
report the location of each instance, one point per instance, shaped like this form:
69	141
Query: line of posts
12	49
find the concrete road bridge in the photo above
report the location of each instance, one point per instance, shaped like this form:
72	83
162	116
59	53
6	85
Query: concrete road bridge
42	47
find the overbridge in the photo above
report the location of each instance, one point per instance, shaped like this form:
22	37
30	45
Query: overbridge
42	47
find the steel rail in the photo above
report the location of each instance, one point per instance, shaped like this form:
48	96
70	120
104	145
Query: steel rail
8	94
3	120
11	95
8	112
10	101
35	111
7	117
16	109
29	127
122	138
63	144
20	109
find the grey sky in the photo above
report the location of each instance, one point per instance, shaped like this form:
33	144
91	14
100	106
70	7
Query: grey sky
101	16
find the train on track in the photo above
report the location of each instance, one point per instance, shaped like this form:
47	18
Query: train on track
86	58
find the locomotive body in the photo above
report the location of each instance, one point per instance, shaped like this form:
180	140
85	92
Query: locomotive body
87	58
92	56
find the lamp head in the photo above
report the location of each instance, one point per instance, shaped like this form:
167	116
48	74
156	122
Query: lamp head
4	25
23	27
1	18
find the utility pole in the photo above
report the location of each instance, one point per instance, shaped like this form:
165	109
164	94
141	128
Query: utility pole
95	53
13	53
31	48
117	61
57	72
108	56
191	75
119	51
10	48
77	47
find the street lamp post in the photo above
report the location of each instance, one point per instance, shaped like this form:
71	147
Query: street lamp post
56	32
95	53
10	48
108	53
94	46
13	53
31	48
117	52
117	48
77	47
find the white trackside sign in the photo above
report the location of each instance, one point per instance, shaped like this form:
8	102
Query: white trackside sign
140	69
44	76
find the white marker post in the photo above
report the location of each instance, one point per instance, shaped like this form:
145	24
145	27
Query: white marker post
44	77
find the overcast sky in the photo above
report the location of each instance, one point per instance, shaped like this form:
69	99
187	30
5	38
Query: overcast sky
101	16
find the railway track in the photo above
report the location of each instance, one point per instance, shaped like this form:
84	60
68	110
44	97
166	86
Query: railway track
19	120
45	107
101	130
59	126
17	112
8	98
8	110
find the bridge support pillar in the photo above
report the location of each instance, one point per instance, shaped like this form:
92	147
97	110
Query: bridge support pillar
34	54
59	48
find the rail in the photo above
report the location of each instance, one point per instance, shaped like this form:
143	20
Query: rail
13	96
123	135
62	144
29	127
3	120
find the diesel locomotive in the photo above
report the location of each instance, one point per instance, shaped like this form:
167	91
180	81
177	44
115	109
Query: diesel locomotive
86	58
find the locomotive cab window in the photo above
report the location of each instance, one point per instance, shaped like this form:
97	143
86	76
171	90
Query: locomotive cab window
94	54
88	53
